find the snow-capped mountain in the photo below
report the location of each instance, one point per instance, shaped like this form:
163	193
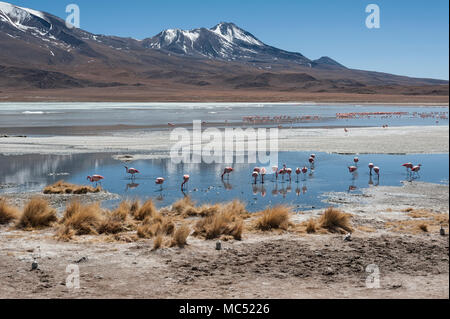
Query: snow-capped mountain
224	41
38	50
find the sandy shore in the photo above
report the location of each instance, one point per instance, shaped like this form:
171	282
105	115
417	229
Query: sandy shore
411	263
407	139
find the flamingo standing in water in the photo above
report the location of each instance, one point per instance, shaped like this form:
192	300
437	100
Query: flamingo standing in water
416	169
160	181
131	171
227	171
255	175
275	170
376	169
408	166
311	161
185	180
282	172
298	171
289	172
371	166
356	160
352	169
263	173
305	170
95	179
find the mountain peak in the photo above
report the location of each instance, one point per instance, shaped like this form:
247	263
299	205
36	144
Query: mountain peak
232	33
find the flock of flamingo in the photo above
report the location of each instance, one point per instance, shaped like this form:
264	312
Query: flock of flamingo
256	119
261	172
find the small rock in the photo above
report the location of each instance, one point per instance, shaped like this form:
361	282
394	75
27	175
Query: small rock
219	245
348	237
34	265
442	231
82	260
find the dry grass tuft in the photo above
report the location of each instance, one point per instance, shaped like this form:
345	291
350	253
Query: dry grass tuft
37	214
157	243
335	220
156	225
62	187
180	236
221	223
311	226
7	213
134	206
86	220
65	233
274	218
183	205
146	210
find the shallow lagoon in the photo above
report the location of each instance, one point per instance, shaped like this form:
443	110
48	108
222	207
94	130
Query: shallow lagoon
27	173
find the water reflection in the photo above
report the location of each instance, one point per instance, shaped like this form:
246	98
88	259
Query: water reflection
131	186
33	172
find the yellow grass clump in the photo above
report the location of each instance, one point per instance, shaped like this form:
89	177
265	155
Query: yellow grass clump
424	227
62	187
180	236
225	223
183	206
335	220
221	220
157	243
156	225
274	218
146	210
7	213
65	233
37	214
311	226
85	220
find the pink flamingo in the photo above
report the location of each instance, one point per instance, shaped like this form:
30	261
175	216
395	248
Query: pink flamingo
298	171
311	160
313	156
257	169
376	169
132	171
305	170
282	172
227	171
356	160
185	180
275	170
263	173
255	175
289	172
416	169
371	166
95	179
352	169
408	166
160	181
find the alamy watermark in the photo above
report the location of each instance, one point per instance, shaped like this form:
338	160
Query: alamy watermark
73	279
373	19
230	145
73	19
373	279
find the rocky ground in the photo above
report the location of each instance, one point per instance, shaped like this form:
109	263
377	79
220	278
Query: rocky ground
410	262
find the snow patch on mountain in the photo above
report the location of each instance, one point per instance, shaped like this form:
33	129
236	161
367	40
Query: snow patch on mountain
18	17
231	32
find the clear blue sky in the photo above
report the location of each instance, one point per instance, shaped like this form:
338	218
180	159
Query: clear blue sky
412	40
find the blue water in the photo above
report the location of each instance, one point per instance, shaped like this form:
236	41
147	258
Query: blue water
33	172
151	114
